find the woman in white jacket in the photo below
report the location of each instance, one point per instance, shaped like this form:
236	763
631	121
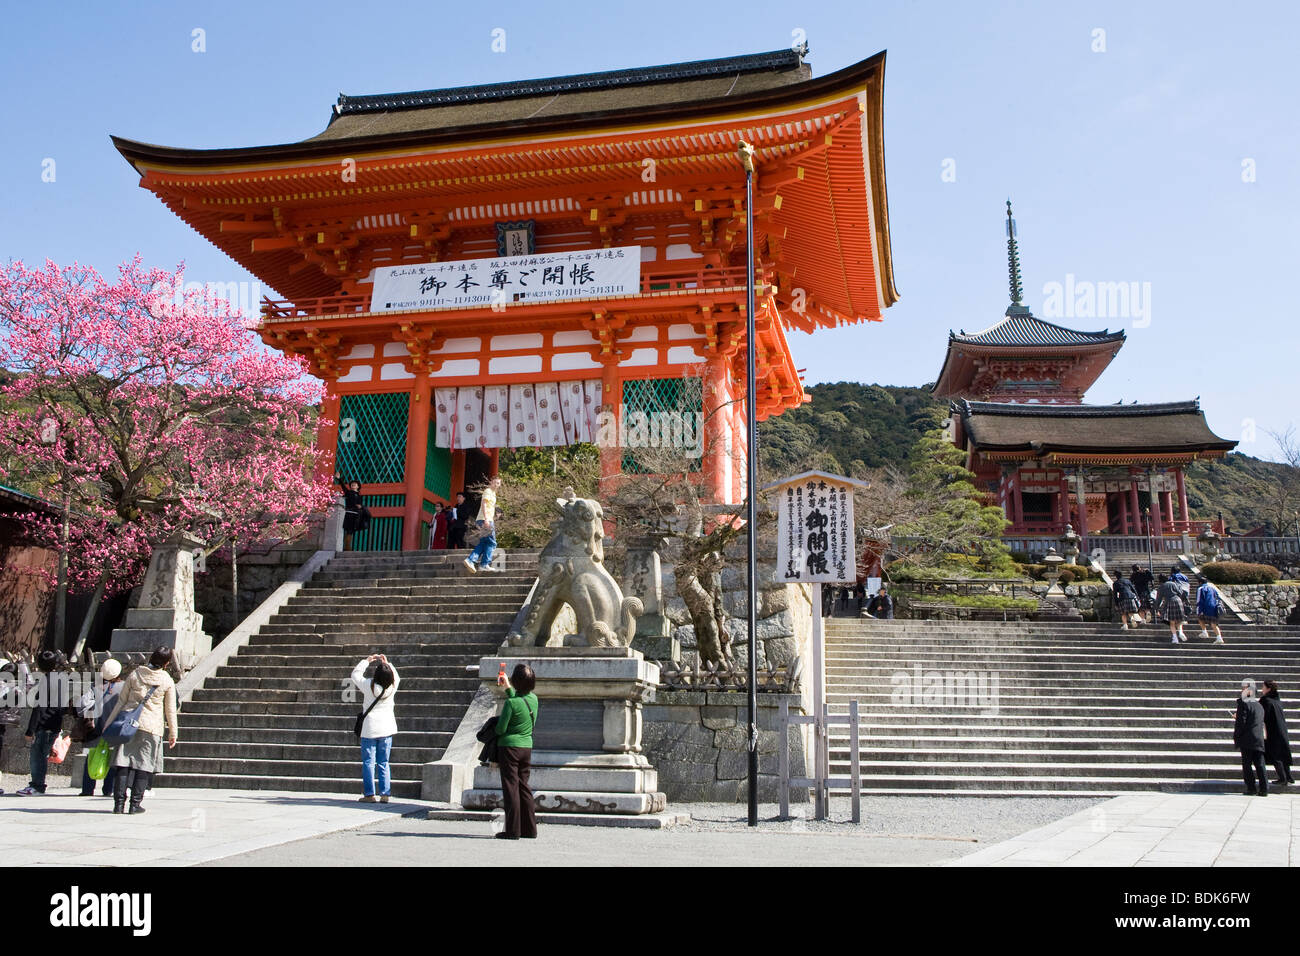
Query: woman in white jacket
379	725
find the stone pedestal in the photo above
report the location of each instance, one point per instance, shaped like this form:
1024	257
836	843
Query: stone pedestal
164	614
587	745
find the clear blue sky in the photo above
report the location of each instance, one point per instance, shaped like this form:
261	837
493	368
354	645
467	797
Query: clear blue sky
1124	165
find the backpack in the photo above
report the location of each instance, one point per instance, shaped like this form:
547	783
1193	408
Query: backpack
1207	598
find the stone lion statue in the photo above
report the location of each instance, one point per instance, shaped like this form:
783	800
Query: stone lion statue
571	571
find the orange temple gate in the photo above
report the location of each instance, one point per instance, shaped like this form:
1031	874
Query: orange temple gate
633	175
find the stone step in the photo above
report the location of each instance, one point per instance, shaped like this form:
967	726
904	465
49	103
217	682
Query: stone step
972	785
314	645
349	605
339	737
287	668
403	789
878	740
1118	679
317	710
325	695
340	723
1028	768
334	686
990	758
326	769
346	756
365	642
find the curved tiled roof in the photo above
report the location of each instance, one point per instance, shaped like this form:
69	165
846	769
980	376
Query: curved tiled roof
736	77
1165	426
787	59
1025	329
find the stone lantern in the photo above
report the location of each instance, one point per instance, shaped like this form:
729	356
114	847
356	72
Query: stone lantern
1053	562
1210	549
1070	545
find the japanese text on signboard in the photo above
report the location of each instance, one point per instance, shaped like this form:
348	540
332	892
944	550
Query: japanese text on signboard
484	282
815	537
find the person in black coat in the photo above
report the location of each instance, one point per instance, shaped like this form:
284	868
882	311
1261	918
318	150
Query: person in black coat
1248	736
44	724
353	509
1277	746
457	522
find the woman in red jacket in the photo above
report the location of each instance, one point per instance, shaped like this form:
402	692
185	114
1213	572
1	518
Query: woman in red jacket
438	529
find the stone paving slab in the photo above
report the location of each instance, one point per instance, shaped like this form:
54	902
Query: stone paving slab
180	827
1165	829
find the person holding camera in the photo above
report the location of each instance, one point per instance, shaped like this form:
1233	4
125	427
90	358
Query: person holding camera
378	725
515	752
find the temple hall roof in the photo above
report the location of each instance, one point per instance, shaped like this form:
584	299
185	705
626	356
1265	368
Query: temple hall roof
1163	428
735	77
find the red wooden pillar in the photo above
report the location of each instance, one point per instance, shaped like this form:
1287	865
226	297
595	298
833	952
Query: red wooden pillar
1063	502
1017	499
1123	513
417	448
327	435
718	418
611	396
1135	506
1182	498
1157	525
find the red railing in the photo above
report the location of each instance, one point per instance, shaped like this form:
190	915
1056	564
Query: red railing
656	280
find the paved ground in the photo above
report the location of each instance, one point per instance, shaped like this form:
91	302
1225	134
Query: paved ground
1161	829
179	827
265	828
899	831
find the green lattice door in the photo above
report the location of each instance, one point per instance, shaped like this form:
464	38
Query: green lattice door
665	417
372	438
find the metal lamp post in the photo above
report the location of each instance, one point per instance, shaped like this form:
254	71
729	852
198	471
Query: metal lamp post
751	476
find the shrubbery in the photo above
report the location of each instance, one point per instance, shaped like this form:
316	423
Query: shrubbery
1239	572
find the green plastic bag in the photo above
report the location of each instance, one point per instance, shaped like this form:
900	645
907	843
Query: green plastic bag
97	760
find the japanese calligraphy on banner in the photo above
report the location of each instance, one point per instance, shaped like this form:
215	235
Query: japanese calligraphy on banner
815	535
469	283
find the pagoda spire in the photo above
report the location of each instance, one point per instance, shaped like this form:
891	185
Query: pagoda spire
1013	265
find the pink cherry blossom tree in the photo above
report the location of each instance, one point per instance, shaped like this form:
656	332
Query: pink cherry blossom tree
140	412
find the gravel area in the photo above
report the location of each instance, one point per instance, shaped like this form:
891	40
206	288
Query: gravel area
981	819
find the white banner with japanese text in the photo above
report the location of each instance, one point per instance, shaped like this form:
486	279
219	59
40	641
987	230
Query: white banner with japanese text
472	283
815	536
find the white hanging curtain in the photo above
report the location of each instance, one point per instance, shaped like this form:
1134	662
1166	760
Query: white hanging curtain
573	401
496	417
543	415
550	421
469	417
523	416
444	404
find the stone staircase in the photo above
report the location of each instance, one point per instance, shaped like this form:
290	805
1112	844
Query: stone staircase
275	717
1077	709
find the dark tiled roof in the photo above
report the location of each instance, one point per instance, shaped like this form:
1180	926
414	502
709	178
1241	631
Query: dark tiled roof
1023	328
584	93
1168	426
750	63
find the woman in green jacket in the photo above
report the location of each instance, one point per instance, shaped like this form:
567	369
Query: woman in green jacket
515	749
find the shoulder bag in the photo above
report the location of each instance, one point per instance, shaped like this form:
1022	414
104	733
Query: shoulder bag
361	717
122	726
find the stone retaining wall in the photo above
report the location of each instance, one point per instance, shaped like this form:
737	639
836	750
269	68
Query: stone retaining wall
1265	603
696	740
